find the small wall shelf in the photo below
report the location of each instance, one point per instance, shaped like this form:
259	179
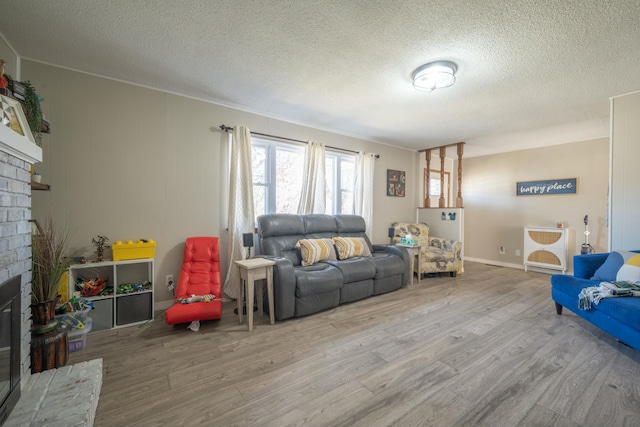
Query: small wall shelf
40	186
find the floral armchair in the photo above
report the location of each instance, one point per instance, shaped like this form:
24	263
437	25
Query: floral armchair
438	255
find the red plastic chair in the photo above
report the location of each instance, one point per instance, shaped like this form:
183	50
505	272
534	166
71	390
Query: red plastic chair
199	276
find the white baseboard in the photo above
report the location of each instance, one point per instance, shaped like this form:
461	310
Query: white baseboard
492	262
515	266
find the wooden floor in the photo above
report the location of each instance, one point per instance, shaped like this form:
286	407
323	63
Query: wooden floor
485	348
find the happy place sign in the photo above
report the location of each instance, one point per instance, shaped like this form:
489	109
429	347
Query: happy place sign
550	186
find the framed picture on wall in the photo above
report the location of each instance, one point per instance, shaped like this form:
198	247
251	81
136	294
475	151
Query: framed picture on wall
395	183
13	117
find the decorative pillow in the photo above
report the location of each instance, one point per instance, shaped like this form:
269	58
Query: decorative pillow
608	271
316	250
630	271
349	247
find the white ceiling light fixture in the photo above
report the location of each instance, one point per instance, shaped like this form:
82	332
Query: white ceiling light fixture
435	75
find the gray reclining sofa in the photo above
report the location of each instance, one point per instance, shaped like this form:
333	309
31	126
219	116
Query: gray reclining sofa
301	290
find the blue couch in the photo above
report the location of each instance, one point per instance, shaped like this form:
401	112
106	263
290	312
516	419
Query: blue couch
619	316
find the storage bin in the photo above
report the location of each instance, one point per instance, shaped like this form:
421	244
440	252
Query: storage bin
133	308
102	314
74	319
78	336
131	250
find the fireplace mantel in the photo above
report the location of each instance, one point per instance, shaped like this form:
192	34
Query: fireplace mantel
19	146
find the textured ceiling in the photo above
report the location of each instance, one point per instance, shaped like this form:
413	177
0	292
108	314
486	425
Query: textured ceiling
530	72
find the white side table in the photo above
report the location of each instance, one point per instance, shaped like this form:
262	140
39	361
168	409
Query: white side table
413	252
250	270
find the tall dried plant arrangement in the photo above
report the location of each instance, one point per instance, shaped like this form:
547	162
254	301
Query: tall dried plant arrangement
48	262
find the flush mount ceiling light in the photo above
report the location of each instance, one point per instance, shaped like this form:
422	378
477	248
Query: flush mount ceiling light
434	75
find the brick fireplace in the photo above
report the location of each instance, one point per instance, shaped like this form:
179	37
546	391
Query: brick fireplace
17	154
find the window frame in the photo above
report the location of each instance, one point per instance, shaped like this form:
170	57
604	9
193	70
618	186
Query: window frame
270	174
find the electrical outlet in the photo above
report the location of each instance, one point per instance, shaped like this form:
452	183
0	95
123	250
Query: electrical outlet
501	250
517	252
170	284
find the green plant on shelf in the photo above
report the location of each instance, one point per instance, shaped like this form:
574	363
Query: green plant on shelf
33	111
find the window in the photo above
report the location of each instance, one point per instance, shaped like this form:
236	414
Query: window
277	178
340	178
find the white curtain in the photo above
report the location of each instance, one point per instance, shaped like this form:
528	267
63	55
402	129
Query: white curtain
363	188
241	217
314	183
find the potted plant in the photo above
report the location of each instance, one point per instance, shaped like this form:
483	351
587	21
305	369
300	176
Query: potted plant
49	263
30	101
33	111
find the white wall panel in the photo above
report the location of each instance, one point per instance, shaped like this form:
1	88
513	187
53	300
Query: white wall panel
625	173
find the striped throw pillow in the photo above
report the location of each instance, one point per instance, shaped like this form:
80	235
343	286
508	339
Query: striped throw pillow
349	247
316	250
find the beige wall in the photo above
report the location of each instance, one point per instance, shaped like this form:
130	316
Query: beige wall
495	216
129	162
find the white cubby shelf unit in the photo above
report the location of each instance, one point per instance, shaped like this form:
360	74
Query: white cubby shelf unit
116	307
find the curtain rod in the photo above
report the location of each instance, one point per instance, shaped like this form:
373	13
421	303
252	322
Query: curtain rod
229	128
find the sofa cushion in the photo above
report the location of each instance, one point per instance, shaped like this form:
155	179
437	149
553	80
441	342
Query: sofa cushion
316	279
280	225
316	250
353	226
623	309
355	269
608	271
419	231
319	224
386	265
349	247
630	271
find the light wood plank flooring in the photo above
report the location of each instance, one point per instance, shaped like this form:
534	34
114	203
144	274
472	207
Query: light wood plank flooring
485	348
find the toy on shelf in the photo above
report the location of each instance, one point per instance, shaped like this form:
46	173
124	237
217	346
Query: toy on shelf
132	288
143	248
74	304
92	287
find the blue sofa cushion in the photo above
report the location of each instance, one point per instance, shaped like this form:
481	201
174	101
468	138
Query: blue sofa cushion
608	271
624	309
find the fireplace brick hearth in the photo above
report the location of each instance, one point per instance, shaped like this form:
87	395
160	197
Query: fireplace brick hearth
66	396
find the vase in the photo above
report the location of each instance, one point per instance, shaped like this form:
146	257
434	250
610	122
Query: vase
43	317
49	351
49	345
